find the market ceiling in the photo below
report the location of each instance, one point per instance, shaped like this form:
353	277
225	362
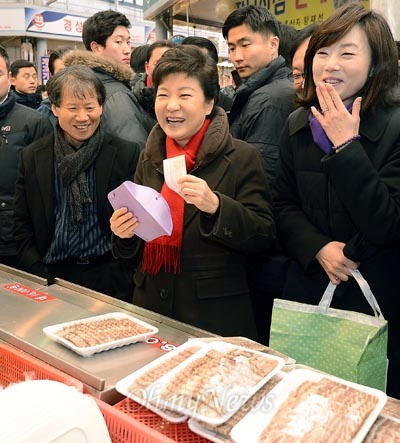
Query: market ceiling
202	12
298	13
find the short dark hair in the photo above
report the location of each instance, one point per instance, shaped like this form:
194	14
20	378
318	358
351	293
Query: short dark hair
101	25
80	80
18	64
189	60
381	84
202	42
286	35
158	44
55	55
138	58
259	19
5	56
301	36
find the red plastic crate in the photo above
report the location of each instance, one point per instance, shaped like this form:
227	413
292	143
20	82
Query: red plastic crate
17	366
129	422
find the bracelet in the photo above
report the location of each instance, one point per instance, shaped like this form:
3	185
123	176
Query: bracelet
347	142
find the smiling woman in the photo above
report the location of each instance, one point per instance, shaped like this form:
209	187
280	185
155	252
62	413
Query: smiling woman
220	216
338	179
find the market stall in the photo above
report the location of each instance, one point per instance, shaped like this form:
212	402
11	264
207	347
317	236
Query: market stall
266	386
28	306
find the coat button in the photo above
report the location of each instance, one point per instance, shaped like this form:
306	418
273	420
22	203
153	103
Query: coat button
3	204
164	294
227	232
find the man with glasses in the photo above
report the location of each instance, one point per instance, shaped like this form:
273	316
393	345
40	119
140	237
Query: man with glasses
297	53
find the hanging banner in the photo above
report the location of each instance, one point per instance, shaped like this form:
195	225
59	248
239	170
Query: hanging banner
44	64
49	22
298	13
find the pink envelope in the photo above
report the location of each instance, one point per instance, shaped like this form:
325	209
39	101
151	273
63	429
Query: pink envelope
148	205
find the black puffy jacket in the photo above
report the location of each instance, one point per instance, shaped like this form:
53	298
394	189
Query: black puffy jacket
19	127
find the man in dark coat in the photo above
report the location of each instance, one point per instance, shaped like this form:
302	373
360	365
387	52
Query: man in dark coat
20	126
259	110
24	81
265	97
108	49
61	214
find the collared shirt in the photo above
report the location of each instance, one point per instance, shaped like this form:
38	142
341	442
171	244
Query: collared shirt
81	240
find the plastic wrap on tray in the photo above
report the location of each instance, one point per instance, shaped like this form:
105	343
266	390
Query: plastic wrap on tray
309	406
249	344
392	409
215	382
134	385
100	333
221	433
384	430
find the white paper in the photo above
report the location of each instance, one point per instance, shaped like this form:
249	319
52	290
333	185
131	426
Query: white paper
174	169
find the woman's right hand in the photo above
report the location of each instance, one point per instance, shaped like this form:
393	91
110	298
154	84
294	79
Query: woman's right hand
334	262
123	223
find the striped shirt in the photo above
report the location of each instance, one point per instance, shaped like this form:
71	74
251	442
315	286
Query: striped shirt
82	240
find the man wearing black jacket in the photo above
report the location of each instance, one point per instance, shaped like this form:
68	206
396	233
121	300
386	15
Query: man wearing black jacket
260	107
20	126
24	81
265	97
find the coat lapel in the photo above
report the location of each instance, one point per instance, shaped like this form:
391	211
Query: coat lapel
104	166
44	167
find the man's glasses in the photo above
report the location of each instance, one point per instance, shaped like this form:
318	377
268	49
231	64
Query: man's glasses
297	78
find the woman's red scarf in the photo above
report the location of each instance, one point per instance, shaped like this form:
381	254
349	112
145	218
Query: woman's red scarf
165	251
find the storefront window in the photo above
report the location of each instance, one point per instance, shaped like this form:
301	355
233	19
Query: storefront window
138	3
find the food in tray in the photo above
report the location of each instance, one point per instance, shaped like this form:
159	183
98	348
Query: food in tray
392	408
211	384
384	430
320	411
138	386
225	429
146	379
249	344
97	332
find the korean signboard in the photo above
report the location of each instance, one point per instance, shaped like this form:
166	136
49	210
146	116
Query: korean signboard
49	22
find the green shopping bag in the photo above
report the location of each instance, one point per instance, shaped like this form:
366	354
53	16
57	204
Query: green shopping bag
347	344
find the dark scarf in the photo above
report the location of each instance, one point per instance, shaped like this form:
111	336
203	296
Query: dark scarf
9	103
71	166
319	136
165	251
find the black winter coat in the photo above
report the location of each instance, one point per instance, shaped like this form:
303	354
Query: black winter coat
353	197
122	114
260	108
211	289
34	214
20	126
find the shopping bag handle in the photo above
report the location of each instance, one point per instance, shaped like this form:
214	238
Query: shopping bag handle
326	299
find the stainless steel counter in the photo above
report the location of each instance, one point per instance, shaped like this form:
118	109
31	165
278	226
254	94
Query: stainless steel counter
23	317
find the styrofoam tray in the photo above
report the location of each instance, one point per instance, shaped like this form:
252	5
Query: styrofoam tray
52	332
218	435
123	386
250	428
214	436
250	344
230	397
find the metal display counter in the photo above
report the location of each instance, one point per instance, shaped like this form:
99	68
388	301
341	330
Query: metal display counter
28	304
